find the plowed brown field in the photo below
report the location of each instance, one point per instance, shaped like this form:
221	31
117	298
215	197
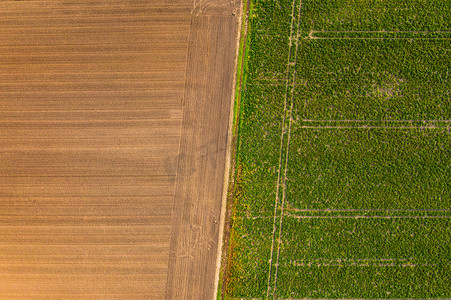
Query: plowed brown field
113	129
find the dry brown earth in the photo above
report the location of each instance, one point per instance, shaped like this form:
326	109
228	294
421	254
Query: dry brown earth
113	125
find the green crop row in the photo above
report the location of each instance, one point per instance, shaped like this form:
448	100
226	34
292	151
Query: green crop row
261	121
269	39
376	15
365	258
373	79
381	35
365	168
372	282
250	267
372	240
364	213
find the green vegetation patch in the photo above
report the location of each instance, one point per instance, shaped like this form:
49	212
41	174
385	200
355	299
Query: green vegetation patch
249	273
397	257
405	240
269	40
376	15
258	155
369	168
373	79
337	282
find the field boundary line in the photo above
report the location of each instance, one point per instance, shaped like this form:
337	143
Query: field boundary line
358	209
362	265
282	135
229	168
380	38
374	127
384	120
382	31
376	34
356	259
366	217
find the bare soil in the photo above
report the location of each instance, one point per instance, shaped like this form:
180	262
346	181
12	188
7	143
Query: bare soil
201	165
113	129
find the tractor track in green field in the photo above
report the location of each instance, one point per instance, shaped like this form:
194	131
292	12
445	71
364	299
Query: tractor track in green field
343	299
365	217
285	142
371	127
367	209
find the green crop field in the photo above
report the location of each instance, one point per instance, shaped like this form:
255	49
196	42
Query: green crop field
342	186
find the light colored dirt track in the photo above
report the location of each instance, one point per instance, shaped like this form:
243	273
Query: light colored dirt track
113	124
